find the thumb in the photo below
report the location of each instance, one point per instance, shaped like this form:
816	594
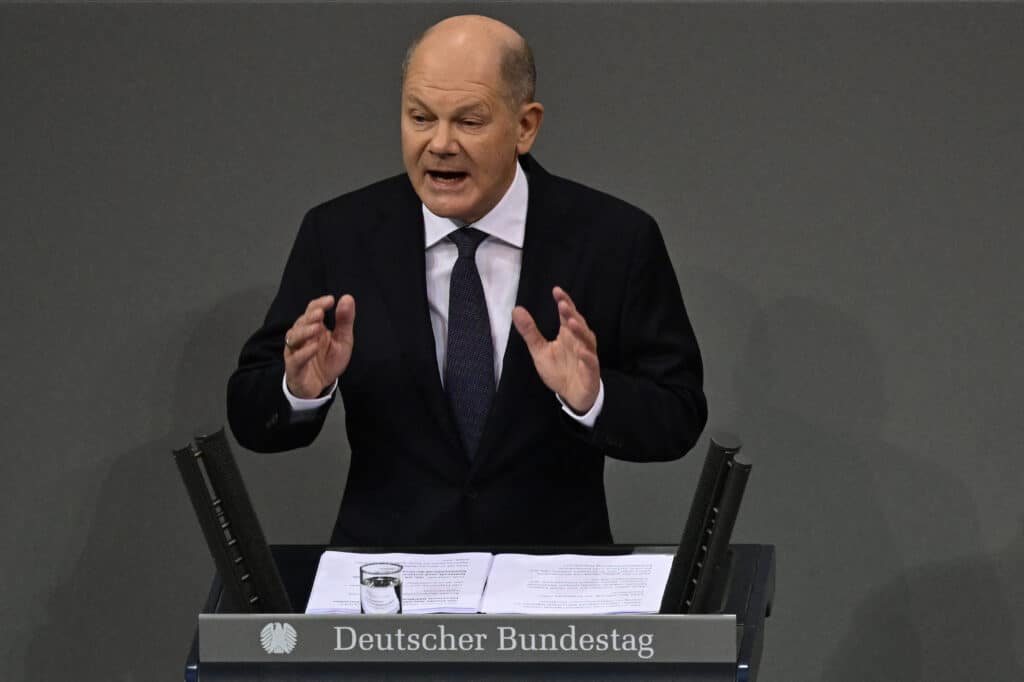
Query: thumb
344	318
527	328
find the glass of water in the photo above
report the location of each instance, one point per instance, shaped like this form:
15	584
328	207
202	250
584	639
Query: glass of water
380	588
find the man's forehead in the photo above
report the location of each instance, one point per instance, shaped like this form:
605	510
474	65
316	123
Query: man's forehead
449	96
453	69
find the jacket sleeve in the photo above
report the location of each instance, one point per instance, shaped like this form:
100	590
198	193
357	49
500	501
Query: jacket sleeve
654	408
258	411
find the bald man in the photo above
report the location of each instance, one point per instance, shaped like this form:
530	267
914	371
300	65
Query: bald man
463	431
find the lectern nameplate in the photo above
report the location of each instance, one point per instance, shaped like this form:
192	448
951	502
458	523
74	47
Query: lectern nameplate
257	638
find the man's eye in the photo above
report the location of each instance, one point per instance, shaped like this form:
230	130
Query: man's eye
419	118
472	123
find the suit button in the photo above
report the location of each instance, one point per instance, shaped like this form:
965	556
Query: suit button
272	422
471	493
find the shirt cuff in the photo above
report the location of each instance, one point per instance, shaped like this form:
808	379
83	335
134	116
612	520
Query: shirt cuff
590	418
303	407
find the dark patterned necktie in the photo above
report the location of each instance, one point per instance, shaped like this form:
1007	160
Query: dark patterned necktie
469	365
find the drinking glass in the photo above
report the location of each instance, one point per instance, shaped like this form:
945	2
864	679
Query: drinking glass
380	588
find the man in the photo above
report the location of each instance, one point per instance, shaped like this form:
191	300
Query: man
463	431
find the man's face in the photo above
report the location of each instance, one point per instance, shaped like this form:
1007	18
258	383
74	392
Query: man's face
460	136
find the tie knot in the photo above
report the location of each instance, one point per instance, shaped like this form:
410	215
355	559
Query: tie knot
467	239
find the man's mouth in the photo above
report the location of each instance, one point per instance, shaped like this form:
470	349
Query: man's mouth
447	178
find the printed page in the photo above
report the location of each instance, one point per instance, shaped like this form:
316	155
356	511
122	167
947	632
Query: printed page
576	584
431	583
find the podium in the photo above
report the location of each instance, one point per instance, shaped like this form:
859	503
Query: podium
726	645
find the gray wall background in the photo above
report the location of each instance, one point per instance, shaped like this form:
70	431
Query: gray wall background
840	190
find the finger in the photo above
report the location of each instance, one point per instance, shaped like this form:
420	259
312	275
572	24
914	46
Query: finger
321	304
583	334
300	333
298	357
565	303
564	313
316	309
311	316
527	328
560	295
567	313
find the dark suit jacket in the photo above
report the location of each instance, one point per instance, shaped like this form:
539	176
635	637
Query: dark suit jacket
538	476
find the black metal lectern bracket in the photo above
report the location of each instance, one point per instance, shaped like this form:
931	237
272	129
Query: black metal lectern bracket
701	564
251	582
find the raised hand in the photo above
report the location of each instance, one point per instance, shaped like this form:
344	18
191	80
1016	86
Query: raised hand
314	356
568	365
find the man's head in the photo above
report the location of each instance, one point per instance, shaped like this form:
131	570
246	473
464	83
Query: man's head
467	113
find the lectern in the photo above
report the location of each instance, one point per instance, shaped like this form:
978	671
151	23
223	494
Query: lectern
710	629
717	646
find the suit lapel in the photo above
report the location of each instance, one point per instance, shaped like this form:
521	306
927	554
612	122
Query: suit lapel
549	258
398	263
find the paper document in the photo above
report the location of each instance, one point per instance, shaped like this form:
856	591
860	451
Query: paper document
431	583
576	584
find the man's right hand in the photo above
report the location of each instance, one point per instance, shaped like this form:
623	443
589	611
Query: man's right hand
314	356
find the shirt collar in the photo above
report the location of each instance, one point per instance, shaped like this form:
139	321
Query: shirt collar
506	221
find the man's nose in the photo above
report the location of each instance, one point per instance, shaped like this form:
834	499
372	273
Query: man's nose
443	142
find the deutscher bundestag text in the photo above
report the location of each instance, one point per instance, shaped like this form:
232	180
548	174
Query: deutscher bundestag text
507	638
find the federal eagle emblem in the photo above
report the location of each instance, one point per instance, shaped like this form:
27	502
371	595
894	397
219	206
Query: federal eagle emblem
278	638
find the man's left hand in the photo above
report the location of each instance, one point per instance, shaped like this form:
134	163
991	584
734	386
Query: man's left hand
567	365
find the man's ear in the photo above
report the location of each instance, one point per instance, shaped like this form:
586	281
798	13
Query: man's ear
530	117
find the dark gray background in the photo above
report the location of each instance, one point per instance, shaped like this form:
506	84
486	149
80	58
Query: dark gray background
840	190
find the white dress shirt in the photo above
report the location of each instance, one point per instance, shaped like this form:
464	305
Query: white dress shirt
499	260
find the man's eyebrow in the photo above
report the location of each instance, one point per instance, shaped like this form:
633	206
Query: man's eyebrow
477	108
412	100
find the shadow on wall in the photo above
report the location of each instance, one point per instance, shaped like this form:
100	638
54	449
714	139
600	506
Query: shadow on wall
965	626
128	609
812	396
851	514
